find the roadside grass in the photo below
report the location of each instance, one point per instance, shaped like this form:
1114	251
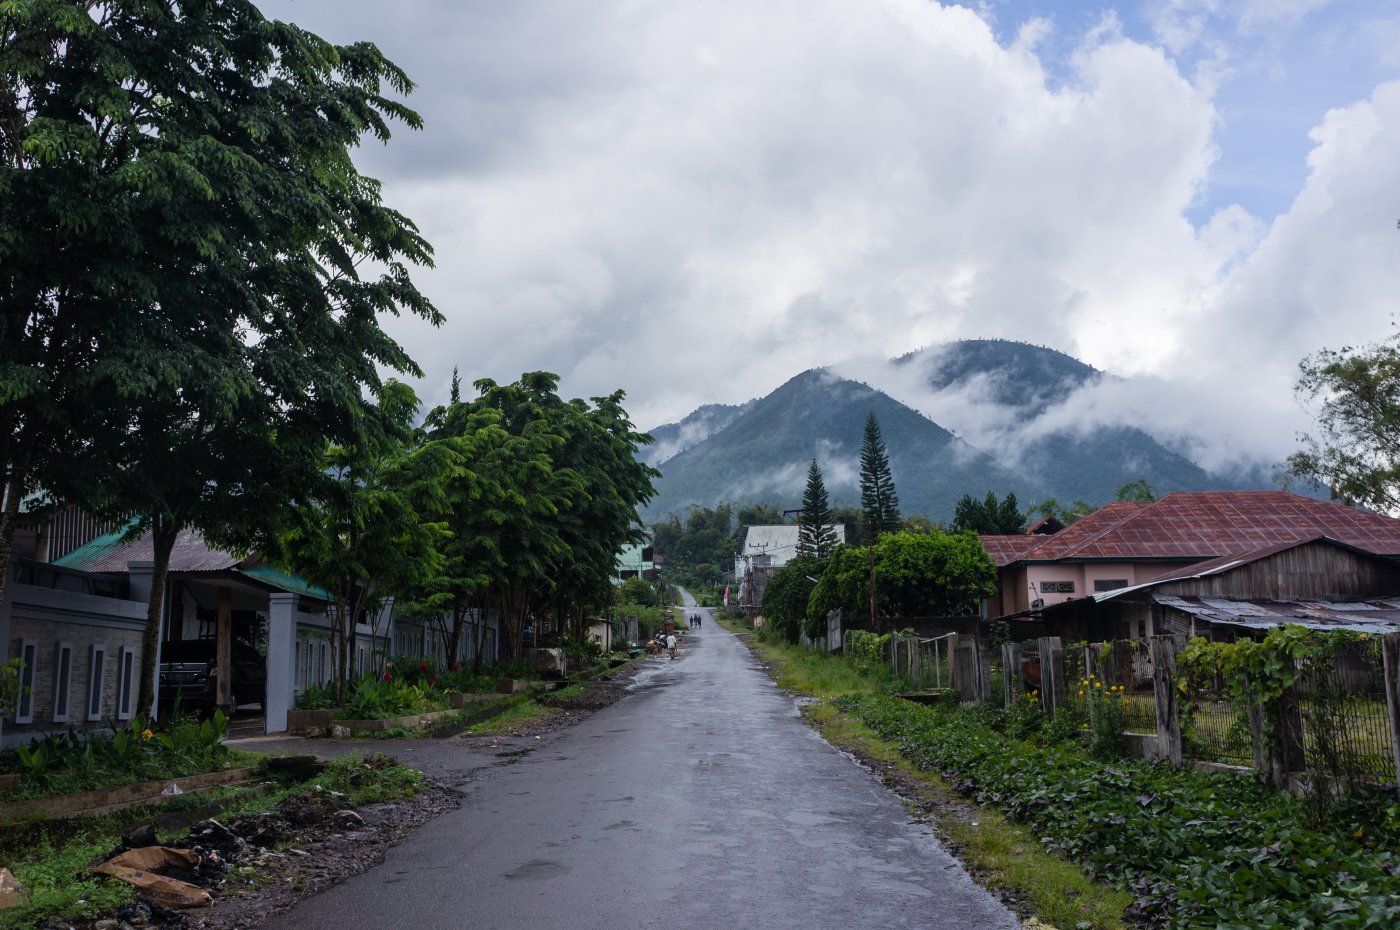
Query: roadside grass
51	858
1005	857
513	716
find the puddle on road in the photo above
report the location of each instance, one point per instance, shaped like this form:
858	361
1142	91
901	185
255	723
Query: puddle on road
537	870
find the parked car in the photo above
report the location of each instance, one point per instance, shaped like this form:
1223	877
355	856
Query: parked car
187	671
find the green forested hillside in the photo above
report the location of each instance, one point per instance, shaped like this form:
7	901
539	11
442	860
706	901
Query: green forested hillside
764	453
759	452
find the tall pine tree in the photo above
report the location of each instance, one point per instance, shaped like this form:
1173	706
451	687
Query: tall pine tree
815	535
878	500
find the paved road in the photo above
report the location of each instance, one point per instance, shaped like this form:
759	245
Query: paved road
701	801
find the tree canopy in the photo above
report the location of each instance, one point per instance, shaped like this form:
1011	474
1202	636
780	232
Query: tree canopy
189	257
1356	451
988	517
916	575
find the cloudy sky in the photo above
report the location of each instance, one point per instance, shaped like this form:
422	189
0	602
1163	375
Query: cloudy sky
694	200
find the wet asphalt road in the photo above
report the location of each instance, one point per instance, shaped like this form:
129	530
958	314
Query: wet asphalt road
699	801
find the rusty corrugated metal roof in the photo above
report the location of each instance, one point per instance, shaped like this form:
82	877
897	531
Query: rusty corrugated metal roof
1212	524
1007	549
109	554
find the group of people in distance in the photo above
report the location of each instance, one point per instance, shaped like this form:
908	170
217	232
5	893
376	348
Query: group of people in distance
695	621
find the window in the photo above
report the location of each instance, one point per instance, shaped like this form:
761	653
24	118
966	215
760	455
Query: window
1057	587
97	673
62	681
297	669
126	683
29	655
321	664
1109	584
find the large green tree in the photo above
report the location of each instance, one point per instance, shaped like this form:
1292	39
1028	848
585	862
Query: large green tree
367	531
878	500
1356	451
988	517
786	594
815	535
916	575
184	249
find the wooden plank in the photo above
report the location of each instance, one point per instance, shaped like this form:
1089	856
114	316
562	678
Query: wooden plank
1164	693
1010	673
1052	675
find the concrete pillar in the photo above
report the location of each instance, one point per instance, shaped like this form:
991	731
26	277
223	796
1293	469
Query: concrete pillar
223	652
281	655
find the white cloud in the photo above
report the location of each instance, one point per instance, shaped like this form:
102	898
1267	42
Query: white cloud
696	201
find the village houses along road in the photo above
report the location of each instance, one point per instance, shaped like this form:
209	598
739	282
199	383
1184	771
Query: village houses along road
701	801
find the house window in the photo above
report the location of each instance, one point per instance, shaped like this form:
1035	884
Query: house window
300	682
1057	587
97	672
321	663
1109	584
62	681
28	675
126	681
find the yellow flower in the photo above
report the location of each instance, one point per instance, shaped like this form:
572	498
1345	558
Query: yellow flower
1091	677
1081	692
146	734
1098	684
1085	682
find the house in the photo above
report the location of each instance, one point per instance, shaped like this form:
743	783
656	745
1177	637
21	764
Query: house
1125	543
635	562
767	549
1320	583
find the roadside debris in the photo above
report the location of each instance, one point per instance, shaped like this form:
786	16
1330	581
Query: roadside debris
147	869
12	893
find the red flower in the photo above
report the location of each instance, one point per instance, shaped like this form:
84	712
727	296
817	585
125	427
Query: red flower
456	666
423	667
388	677
431	682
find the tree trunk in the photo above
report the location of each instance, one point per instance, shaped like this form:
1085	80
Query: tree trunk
484	609
163	535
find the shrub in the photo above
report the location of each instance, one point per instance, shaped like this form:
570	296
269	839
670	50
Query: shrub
1197	851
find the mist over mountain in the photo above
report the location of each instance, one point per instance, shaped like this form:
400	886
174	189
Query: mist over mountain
962	418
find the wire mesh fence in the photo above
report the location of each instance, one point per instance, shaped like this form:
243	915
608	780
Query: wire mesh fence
1341	708
1213	729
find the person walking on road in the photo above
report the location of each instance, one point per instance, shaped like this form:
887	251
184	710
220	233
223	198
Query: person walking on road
671	644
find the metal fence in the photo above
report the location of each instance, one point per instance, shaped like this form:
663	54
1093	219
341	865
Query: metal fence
1341	709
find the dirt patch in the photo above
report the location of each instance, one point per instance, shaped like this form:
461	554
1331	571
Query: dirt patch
603	691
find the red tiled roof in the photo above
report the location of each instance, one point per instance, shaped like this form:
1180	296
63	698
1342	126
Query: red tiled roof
1211	524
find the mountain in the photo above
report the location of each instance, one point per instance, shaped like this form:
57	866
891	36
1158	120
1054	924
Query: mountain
762	454
1029	378
998	415
700	425
1025	387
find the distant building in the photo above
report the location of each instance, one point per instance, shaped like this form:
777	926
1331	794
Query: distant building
635	562
767	549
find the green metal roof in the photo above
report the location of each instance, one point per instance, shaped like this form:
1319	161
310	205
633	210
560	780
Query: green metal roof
286	582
